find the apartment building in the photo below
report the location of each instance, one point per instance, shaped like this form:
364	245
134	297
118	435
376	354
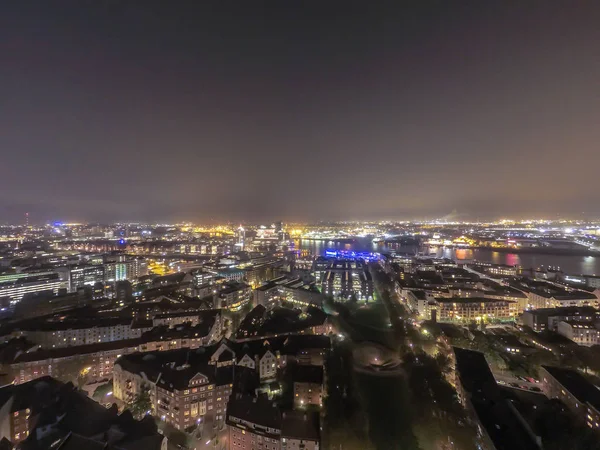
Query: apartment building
546	294
16	289
258	424
233	296
575	391
185	385
81	332
308	386
46	413
580	332
475	309
97	360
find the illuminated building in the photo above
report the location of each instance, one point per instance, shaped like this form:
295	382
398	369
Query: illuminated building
581	332
291	290
474	309
7	277
308	386
421	303
34	284
125	269
263	359
495	270
233	296
343	278
231	273
240	238
258	424
205	316
80	332
544	294
586	280
79	276
185	386
97	358
253	423
201	277
269	238
100	357
548	318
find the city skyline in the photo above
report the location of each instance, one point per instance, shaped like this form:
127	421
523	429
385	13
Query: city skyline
299	225
113	112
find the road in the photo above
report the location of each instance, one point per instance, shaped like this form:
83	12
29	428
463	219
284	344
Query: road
507	379
212	438
395	310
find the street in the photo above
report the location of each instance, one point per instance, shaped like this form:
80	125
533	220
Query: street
212	437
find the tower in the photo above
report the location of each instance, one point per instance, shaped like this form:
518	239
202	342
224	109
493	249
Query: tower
279	230
240	237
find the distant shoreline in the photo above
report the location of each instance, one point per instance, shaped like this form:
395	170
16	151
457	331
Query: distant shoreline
539	250
340	240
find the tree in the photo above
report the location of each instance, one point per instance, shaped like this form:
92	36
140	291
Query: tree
74	370
439	415
178	438
102	390
140	405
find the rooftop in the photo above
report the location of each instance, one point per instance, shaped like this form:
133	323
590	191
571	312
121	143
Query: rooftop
308	374
255	410
300	425
565	311
551	290
503	427
577	385
470	300
74	418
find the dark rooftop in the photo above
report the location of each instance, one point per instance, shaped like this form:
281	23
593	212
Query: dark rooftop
307	374
300	425
577	385
502	425
470	300
256	410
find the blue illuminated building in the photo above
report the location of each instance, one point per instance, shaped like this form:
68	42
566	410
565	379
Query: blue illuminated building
345	254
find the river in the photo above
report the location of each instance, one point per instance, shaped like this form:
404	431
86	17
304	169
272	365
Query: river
587	265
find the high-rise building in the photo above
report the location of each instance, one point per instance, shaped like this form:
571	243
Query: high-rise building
123	291
240	238
128	269
16	289
87	275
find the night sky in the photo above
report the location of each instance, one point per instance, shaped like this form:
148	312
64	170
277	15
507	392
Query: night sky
204	111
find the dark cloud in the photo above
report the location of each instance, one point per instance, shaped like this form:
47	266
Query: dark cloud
213	110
